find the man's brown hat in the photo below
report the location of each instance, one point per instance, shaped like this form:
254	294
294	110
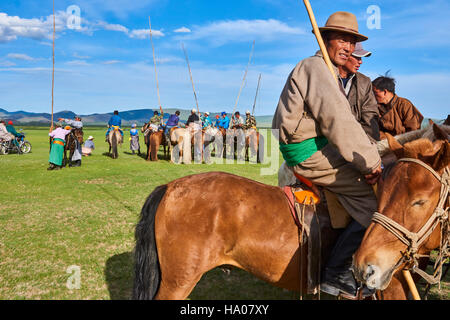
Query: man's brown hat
346	22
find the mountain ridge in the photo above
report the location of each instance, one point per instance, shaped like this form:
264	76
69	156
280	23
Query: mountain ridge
138	116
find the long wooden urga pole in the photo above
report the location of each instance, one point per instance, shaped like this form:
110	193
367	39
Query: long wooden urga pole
192	80
411	284
154	62
53	58
256	96
319	38
243	80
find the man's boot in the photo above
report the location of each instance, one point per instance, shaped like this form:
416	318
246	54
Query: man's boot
337	276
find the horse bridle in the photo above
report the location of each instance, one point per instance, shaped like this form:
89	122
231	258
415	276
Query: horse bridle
414	240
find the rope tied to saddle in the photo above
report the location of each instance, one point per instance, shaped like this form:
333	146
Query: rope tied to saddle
414	240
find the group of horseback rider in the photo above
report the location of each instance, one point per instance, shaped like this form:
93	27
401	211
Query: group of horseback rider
199	122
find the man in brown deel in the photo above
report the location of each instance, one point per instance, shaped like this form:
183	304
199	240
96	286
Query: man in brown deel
397	115
321	140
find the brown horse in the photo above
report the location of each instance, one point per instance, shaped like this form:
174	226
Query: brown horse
75	136
183	233
154	141
255	142
408	197
114	139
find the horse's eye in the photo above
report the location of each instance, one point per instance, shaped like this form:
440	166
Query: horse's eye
419	203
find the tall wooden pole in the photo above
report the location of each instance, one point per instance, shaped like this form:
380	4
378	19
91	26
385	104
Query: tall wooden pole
256	96
411	284
192	81
154	62
243	80
53	56
319	38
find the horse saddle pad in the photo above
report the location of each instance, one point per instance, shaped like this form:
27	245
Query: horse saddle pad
310	212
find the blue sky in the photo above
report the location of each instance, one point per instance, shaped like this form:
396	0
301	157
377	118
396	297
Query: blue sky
106	63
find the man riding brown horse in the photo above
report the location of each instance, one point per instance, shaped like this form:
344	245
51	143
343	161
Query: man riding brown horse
321	141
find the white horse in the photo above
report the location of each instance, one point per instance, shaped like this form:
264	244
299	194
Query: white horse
180	140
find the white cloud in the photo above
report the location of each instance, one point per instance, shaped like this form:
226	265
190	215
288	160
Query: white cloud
12	27
80	57
221	32
182	30
20	56
134	34
145	33
6	63
77	63
111	62
113	27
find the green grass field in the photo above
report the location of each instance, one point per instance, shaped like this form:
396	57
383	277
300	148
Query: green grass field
85	217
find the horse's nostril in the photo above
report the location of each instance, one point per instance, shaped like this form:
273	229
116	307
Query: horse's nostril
370	270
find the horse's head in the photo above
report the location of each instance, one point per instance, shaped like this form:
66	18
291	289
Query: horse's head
407	202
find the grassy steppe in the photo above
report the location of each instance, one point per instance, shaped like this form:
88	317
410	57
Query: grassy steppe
85	217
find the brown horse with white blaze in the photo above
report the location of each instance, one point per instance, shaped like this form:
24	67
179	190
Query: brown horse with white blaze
409	198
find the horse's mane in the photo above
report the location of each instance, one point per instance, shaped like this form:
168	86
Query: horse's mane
408	137
418	147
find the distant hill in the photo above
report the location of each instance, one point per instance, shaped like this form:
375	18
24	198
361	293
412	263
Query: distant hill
128	117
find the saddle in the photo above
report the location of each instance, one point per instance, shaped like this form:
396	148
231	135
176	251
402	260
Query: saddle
311	208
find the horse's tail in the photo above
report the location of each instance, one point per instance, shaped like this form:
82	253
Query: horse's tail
147	273
114	144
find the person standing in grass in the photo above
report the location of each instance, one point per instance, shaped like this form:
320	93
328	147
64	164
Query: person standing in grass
134	140
57	152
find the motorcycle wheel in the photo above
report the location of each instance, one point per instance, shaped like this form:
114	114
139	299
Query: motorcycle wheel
25	147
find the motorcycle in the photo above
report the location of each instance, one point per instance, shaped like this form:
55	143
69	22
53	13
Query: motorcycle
23	147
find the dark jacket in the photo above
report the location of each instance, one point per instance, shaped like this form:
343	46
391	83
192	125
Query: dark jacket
192	118
364	105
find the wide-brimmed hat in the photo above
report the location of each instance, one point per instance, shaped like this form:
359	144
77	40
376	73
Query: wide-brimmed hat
91	138
360	52
345	22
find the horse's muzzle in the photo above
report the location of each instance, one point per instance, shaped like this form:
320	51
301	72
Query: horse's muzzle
372	275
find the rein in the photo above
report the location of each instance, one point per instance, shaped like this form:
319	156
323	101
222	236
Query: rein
414	240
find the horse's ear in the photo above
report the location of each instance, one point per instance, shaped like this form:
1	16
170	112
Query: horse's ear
430	122
447	122
439	133
395	146
442	157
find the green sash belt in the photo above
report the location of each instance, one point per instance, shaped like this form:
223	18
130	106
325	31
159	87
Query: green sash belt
296	153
